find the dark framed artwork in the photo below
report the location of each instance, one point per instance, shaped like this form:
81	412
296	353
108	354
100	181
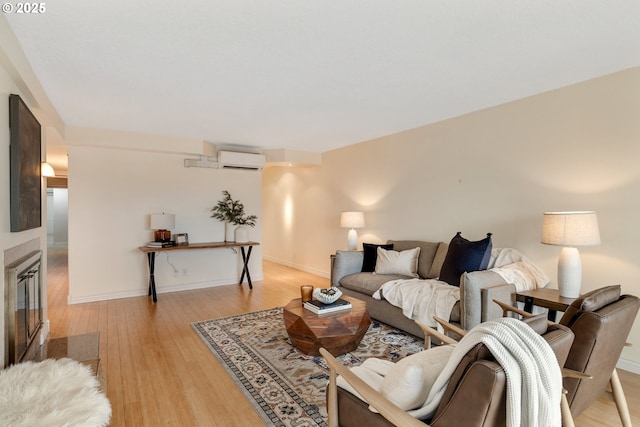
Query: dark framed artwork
26	187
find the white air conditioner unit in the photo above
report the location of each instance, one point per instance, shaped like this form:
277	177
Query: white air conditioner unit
237	160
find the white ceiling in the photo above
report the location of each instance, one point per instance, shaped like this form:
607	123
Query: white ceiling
312	75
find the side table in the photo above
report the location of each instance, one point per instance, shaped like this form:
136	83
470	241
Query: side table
547	298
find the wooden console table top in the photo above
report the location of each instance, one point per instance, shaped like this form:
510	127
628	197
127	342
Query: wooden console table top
204	245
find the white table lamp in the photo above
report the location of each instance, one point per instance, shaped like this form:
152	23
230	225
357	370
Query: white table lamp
352	220
570	229
162	223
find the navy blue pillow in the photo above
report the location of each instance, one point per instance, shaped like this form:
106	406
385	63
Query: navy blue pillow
464	255
371	256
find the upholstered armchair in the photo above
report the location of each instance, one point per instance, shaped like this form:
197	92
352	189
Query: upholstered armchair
474	396
601	321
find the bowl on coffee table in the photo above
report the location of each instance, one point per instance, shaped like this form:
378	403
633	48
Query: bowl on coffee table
327	295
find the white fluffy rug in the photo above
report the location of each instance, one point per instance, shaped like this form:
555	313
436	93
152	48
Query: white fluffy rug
52	393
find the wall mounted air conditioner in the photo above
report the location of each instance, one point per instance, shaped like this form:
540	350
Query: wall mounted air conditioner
237	160
229	160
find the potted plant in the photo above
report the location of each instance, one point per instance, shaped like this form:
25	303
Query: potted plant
231	212
243	221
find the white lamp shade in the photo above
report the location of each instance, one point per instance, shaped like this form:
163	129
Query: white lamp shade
162	221
352	219
570	228
46	169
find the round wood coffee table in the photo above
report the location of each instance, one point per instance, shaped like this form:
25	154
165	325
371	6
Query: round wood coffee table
339	332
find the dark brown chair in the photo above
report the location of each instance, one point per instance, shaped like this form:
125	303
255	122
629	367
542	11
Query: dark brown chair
475	396
601	321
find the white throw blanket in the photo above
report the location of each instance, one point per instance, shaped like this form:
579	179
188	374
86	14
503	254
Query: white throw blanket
423	299
534	379
517	269
521	275
420	299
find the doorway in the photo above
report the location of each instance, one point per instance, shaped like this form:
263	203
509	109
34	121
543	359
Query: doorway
57	218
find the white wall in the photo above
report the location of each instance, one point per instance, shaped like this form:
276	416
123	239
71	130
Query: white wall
113	190
495	170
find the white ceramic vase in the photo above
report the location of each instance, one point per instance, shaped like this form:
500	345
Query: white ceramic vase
229	232
242	234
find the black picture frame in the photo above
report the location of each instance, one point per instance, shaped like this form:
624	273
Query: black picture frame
25	160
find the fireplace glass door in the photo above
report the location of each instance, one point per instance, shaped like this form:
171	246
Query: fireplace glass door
25	304
27	309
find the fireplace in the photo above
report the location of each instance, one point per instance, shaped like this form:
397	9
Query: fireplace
23	305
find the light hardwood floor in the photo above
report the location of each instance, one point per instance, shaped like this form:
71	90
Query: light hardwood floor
159	373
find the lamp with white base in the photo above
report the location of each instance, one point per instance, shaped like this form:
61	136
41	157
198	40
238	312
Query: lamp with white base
570	229
352	220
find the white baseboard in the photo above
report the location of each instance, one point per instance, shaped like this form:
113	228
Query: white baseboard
628	365
320	273
159	290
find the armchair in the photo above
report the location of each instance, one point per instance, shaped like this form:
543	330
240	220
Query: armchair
601	321
475	395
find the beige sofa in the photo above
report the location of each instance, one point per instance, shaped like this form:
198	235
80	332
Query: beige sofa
477	289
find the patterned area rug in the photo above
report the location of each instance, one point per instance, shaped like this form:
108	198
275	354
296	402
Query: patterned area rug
286	387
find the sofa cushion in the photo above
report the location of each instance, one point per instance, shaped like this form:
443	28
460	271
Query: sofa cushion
371	255
368	283
345	263
455	315
398	262
427	254
438	260
465	256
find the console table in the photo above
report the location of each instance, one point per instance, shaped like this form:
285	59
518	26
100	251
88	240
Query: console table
151	257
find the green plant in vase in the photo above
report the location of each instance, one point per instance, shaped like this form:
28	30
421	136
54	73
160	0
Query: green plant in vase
231	212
